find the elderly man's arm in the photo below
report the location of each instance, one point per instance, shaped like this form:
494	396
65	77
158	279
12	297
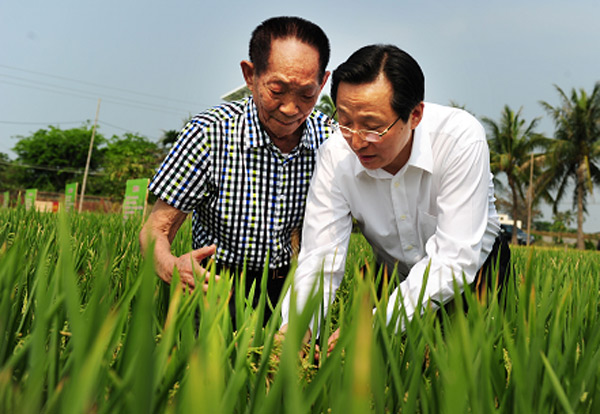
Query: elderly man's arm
160	228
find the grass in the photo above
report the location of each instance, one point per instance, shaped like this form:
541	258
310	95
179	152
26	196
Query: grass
87	327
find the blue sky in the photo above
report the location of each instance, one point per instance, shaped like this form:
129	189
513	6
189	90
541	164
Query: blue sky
154	63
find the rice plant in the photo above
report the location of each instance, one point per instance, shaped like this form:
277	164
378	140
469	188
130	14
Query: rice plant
87	327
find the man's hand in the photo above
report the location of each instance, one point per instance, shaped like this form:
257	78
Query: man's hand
160	228
280	336
333	339
189	263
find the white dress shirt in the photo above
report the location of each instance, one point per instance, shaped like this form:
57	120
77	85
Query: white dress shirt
438	209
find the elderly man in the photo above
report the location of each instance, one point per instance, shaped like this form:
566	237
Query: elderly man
243	168
416	178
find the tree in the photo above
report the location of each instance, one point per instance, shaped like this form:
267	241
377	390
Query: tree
169	138
455	104
6	173
237	94
326	105
511	143
129	157
52	157
575	154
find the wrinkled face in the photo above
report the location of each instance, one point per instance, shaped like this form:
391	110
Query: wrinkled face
368	106
286	92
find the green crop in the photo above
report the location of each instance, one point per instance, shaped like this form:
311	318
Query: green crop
87	327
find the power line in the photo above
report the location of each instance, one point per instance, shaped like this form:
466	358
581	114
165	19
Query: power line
121	128
80	91
98	85
48	168
40	123
93	95
75	122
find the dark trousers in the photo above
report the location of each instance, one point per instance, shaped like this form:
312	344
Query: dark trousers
274	286
498	260
495	270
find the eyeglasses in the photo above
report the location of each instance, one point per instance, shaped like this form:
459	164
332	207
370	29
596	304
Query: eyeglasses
364	134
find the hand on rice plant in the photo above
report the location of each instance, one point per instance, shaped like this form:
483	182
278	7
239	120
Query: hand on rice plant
333	339
158	234
304	350
188	266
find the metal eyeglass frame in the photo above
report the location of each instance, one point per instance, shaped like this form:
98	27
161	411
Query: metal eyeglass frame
364	134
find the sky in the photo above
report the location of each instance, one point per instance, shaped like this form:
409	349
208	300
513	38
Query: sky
152	64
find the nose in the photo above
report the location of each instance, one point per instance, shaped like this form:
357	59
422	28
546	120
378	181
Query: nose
289	108
357	143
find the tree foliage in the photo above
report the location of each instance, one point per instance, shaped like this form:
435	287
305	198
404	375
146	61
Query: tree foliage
511	142
575	154
52	157
326	105
129	157
7	179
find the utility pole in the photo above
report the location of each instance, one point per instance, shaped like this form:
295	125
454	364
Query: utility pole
87	164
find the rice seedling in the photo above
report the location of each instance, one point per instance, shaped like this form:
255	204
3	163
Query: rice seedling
87	327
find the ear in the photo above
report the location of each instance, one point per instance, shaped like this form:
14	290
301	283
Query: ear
416	115
325	78
248	72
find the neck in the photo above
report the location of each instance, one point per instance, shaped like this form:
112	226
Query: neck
402	158
288	142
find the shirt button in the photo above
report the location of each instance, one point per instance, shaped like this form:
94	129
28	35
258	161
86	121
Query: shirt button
403	217
409	247
396	184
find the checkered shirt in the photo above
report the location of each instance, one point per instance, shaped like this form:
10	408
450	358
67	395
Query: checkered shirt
246	196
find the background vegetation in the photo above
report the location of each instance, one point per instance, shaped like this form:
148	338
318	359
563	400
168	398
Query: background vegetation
529	168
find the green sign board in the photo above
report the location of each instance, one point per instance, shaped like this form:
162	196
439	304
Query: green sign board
5	199
136	196
70	196
30	197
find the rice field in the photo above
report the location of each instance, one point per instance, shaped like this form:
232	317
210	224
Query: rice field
88	328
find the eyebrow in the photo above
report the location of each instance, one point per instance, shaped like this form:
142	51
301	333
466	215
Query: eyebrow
311	86
366	118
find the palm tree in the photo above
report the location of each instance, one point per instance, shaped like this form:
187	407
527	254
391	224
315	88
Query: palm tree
511	144
575	155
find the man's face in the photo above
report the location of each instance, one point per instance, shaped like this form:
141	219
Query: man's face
368	106
286	92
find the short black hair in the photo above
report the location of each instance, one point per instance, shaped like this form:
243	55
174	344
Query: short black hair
284	27
403	72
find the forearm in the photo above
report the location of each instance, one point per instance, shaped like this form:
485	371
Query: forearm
164	260
158	232
450	263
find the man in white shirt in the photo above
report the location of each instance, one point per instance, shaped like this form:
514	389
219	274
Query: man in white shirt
416	178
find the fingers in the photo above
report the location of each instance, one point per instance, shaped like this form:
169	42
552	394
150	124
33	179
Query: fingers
317	352
332	342
188	283
189	266
202	253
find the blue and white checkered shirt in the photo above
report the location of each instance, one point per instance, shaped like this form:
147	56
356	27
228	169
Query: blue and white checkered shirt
246	196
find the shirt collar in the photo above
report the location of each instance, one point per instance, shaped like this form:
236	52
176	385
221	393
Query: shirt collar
421	155
256	136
